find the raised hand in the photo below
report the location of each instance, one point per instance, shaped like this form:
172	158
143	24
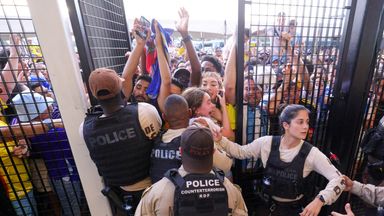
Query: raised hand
182	24
158	38
15	41
137	27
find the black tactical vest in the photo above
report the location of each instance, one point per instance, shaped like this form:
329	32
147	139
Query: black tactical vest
118	146
164	156
199	194
283	179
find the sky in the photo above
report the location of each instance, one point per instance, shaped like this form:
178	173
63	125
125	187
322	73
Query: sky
212	12
209	15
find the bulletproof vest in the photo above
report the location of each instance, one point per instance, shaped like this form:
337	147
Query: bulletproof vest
283	179
118	146
373	147
373	142
199	194
164	156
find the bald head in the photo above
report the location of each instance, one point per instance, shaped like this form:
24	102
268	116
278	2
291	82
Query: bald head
176	111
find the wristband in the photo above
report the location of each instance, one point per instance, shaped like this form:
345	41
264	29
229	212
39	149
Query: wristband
187	38
321	198
48	123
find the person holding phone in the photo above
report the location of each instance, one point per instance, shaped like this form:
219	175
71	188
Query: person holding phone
200	104
139	91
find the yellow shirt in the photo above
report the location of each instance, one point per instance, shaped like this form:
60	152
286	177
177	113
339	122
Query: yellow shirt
231	115
11	172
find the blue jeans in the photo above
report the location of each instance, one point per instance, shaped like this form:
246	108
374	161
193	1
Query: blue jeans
69	195
29	206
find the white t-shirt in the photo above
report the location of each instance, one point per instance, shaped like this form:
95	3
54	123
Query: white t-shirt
315	161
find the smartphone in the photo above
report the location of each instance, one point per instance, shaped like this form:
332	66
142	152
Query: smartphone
145	24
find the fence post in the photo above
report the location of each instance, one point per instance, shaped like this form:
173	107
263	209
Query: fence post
53	29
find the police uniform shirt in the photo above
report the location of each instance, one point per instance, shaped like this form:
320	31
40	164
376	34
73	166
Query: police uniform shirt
369	193
150	123
158	199
315	161
170	134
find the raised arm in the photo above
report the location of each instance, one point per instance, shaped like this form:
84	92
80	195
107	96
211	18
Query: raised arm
29	129
133	60
227	131
9	73
165	73
182	28
239	151
302	72
230	77
277	98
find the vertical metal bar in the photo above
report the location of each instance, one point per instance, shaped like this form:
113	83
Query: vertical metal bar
239	79
240	70
82	43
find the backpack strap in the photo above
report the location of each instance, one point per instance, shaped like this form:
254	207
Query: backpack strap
275	142
174	176
305	149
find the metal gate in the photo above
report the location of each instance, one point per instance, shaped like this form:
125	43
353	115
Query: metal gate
331	60
38	175
101	34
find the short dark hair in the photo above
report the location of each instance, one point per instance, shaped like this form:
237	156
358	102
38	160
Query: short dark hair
174	60
214	61
176	110
144	77
4	55
177	83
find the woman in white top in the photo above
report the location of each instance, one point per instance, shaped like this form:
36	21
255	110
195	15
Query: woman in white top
288	160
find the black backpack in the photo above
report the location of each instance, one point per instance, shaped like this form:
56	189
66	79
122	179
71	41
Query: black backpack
199	194
372	145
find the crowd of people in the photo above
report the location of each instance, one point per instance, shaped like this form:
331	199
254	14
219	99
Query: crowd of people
162	136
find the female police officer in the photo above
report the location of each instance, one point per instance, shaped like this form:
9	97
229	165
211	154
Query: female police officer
288	160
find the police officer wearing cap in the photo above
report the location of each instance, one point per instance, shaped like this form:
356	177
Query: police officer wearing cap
194	188
119	140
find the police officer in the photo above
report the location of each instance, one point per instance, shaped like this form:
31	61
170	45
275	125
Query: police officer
119	140
165	152
193	189
288	160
